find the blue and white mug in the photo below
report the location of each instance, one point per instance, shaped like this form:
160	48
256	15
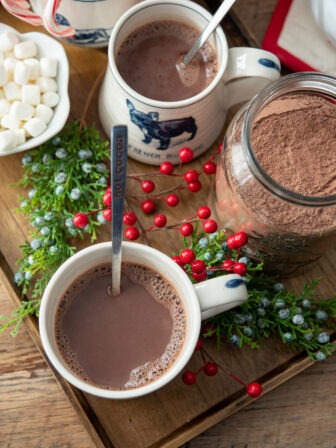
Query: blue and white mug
83	22
158	129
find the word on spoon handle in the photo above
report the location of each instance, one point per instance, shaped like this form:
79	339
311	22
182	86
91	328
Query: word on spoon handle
217	17
118	180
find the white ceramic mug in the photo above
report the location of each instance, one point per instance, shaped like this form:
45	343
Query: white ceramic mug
87	23
200	301
157	129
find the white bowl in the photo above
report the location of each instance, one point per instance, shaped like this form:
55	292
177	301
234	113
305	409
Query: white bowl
47	47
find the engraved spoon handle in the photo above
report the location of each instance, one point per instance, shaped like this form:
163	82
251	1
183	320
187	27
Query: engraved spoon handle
208	30
118	181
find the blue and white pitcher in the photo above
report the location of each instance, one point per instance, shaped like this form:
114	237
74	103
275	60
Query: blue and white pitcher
82	22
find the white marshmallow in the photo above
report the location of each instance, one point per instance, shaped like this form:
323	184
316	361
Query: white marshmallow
50	99
35	126
4	106
7	140
34	68
47	84
10	122
21	111
2	95
48	67
43	112
21	73
20	136
25	49
12	91
3	74
9	64
31	94
8	40
2	56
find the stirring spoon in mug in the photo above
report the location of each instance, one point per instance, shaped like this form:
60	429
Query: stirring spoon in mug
208	30
118	180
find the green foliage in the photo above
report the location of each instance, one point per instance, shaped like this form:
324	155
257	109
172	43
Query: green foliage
303	321
66	175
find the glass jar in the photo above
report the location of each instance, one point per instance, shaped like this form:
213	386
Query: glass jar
292	222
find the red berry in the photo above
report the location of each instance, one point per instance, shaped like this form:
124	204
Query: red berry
210	226
147	186
228	265
199	344
132	233
191	175
178	260
189	378
172	200
231	242
107	198
241	238
148	206
160	220
194	186
198	266
187	256
107	213
129	218
254	389
209	167
166	168
80	220
186	154
220	147
210	368
186	229
204	212
240	268
199	277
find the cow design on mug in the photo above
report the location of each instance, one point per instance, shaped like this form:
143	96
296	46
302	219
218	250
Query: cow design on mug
163	130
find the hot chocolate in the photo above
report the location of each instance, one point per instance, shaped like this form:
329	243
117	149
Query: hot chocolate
120	342
147	61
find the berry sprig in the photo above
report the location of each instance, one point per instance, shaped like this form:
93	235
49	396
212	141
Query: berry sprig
148	200
211	368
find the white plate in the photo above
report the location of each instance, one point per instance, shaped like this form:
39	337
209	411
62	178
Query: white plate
47	47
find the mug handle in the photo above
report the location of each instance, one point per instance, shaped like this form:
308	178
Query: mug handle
248	71
50	23
220	294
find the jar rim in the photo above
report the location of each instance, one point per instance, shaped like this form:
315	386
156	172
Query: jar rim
295	82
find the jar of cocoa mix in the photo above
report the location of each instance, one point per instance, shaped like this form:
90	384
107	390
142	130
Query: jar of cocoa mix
276	177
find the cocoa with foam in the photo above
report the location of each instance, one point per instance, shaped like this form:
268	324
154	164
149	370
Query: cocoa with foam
170	321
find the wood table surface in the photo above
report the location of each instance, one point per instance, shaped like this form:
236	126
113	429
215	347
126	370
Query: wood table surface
36	411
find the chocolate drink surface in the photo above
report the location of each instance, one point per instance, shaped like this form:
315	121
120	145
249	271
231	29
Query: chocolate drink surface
147	61
125	341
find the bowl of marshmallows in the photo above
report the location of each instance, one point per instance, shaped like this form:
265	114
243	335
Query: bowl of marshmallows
34	100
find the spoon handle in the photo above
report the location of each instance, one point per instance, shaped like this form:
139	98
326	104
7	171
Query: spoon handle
209	29
118	181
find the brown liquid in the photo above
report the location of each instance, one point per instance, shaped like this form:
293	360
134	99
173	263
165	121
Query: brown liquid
147	61
125	341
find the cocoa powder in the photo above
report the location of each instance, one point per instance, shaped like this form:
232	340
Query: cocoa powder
294	141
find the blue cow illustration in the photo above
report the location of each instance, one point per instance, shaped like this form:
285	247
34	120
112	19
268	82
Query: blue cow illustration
163	130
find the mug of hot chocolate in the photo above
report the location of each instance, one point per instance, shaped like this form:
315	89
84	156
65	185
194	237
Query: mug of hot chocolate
164	107
132	344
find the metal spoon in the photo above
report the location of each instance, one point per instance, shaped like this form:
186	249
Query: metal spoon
118	181
208	30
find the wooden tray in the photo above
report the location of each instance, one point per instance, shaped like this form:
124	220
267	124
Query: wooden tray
176	413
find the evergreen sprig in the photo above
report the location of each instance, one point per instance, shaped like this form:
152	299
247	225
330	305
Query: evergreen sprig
303	320
66	174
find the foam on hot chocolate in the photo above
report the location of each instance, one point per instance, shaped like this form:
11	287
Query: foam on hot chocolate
175	327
